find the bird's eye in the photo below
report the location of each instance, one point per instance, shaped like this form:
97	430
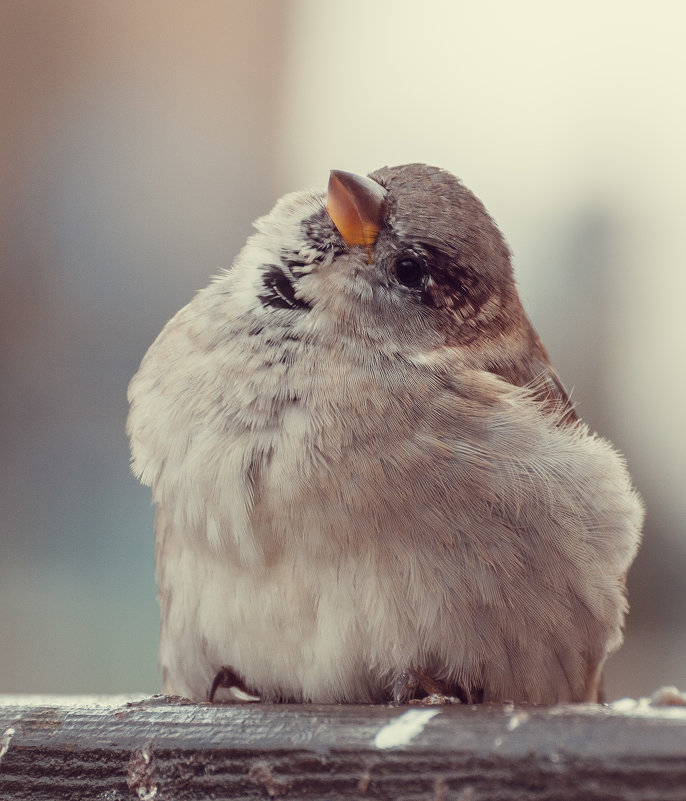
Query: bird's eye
410	271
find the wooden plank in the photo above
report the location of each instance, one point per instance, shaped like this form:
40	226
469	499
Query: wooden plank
159	748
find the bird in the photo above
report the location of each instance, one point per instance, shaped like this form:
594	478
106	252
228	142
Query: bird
370	483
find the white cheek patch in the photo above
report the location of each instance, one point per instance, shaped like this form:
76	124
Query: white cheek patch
279	233
243	283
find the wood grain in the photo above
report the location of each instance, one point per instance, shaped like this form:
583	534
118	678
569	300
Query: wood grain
160	748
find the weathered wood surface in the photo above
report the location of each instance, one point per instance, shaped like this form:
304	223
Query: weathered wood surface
156	748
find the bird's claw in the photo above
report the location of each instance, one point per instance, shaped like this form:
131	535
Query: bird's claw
227	678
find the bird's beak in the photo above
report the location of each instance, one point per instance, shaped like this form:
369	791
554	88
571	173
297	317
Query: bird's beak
355	204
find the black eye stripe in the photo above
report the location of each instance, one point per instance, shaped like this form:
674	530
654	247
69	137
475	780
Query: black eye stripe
279	291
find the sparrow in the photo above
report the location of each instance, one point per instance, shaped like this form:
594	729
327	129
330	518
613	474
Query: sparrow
370	482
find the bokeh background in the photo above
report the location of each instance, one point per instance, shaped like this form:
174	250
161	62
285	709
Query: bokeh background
139	140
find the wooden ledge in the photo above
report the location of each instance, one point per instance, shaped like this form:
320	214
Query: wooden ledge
115	748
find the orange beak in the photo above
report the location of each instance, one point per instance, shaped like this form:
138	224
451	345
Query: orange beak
355	204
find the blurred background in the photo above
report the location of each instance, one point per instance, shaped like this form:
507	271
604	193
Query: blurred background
139	141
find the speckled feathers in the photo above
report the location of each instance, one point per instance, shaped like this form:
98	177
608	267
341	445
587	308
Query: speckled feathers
364	463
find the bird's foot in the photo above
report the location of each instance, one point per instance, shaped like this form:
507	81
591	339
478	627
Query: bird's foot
435	699
228	679
413	681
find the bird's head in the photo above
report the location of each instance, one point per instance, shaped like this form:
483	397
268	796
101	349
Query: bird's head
406	258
